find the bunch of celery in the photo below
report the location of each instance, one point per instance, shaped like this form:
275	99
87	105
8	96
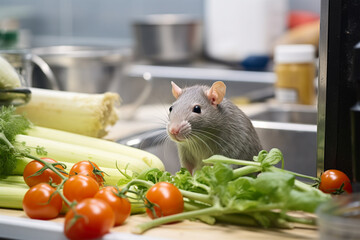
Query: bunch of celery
20	142
256	194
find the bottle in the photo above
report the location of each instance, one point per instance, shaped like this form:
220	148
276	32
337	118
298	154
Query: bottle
295	74
355	120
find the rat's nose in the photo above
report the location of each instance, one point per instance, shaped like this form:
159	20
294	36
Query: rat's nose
174	130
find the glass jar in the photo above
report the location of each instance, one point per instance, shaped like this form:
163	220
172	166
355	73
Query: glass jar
295	73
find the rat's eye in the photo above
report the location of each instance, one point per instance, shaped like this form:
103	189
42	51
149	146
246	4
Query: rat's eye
197	109
170	109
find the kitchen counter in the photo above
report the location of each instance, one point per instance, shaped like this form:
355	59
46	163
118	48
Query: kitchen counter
183	230
15	224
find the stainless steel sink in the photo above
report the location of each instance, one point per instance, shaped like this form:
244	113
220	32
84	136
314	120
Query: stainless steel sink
301	114
291	128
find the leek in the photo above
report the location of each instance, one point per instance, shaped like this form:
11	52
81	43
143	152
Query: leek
82	113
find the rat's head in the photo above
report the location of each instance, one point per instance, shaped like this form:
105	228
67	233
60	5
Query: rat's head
194	111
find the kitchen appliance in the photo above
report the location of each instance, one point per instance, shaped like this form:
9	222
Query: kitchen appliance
167	38
339	33
355	117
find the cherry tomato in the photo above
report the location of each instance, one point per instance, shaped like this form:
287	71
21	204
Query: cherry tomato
96	219
45	177
40	202
88	168
167	198
121	206
335	181
79	187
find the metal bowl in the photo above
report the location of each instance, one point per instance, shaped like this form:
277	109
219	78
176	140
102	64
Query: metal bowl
90	69
167	38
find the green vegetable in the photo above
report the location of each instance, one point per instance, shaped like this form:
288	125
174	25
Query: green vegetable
220	193
21	142
10	126
20	139
12	191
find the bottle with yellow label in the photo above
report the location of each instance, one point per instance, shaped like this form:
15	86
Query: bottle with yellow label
295	73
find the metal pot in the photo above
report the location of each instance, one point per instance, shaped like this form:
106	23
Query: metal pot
167	38
89	69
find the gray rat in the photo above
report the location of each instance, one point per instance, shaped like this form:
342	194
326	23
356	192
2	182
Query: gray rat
204	123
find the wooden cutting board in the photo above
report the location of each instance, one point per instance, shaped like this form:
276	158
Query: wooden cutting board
189	230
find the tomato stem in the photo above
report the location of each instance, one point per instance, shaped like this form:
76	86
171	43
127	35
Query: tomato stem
48	165
55	170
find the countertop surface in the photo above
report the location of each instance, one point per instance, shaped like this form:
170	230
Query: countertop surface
183	230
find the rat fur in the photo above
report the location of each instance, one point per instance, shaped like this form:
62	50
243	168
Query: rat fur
204	123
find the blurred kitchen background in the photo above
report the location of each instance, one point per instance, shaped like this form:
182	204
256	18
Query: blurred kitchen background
231	35
127	47
47	22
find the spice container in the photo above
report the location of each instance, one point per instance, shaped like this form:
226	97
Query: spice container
295	72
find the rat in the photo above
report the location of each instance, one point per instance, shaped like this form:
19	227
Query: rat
203	123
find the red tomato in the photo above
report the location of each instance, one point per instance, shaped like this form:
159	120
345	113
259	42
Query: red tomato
167	198
121	206
36	202
79	187
88	168
32	167
335	181
96	219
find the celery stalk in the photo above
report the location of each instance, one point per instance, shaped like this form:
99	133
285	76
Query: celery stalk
12	194
65	152
67	137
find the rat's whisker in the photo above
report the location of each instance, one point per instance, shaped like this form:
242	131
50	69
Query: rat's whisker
201	140
212	137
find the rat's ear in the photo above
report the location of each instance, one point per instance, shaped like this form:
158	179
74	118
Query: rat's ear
176	90
216	93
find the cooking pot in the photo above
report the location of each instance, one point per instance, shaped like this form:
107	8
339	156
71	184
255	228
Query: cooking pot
23	61
88	69
167	38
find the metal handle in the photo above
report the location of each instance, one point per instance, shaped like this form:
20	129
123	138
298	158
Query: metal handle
45	68
16	96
